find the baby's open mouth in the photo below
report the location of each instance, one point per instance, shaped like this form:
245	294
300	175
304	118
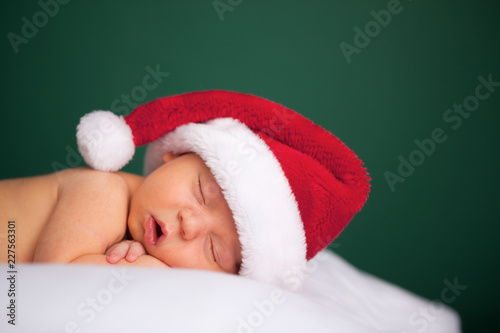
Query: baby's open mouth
154	232
159	232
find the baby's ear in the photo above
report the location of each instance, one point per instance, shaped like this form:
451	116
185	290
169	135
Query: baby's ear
169	157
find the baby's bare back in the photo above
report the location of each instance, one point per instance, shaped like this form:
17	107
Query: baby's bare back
62	216
27	203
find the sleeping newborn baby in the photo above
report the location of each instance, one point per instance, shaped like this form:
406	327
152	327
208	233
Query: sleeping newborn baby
180	216
234	183
177	215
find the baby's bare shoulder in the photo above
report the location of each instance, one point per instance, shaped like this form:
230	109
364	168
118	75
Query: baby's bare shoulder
69	176
50	186
71	198
90	214
87	184
108	181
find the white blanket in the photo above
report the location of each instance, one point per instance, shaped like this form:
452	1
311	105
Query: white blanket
337	297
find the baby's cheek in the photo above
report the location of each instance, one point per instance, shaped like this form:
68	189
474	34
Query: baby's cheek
184	258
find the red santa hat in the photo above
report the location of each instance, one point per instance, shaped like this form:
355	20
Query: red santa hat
292	186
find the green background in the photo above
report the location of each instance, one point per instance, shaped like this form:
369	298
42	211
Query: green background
440	223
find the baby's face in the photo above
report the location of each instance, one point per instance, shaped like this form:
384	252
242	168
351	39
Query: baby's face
181	217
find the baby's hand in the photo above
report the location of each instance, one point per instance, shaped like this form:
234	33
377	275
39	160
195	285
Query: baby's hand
128	249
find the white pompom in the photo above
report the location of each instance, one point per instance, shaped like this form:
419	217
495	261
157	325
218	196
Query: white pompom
105	140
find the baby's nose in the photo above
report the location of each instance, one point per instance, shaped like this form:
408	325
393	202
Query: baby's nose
191	224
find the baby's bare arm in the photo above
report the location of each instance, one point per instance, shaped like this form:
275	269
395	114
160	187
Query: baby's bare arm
145	260
90	215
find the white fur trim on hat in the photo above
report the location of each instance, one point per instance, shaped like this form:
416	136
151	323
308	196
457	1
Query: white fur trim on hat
256	189
105	140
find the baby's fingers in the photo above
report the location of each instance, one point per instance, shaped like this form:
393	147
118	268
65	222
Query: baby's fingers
135	250
119	251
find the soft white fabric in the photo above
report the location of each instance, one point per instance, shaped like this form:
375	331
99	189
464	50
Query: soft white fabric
336	298
256	189
105	140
